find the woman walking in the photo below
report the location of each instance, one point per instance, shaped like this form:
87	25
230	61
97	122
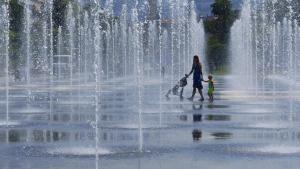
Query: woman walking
197	78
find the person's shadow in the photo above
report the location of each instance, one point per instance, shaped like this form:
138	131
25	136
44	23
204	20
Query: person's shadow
198	106
197	134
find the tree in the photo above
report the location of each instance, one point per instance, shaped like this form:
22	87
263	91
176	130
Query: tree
283	11
59	10
218	28
217	53
224	18
221	8
15	37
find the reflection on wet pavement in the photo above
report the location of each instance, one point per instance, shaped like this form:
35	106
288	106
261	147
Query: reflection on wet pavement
45	127
221	135
217	117
197	134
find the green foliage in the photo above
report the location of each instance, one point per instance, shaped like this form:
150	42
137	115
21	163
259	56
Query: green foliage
218	30
15	36
223	19
282	9
59	9
221	8
216	51
296	9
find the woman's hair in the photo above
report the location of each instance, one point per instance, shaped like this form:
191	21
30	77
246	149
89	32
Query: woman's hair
197	60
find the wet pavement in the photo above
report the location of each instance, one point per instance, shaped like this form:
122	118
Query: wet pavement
56	128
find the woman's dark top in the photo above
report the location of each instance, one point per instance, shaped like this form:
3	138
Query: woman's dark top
197	76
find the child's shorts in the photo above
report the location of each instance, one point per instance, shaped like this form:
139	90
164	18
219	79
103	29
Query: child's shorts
210	91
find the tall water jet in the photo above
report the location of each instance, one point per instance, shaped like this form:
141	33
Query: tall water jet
274	46
112	37
79	62
263	45
255	17
165	47
119	47
178	41
71	30
186	37
50	36
4	42
197	35
51	62
140	89
124	33
131	62
172	40
113	48
85	45
28	24
150	59
6	29
44	60
160	8
241	45
59	53
137	39
97	63
107	49
181	27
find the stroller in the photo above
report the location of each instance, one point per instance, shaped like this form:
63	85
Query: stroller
182	83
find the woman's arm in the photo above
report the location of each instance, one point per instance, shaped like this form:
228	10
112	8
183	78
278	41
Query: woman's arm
191	71
201	73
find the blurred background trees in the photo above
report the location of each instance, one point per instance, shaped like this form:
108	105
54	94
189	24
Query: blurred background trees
217	28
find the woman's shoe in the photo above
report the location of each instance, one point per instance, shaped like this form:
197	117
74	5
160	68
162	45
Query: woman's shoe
201	100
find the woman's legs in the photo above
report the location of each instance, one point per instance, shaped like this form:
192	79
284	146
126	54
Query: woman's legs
201	94
193	95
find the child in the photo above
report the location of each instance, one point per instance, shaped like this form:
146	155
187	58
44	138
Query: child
182	83
211	88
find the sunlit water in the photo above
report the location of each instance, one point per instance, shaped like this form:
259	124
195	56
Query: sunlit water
95	113
236	131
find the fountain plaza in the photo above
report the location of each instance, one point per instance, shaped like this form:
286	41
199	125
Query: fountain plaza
91	92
